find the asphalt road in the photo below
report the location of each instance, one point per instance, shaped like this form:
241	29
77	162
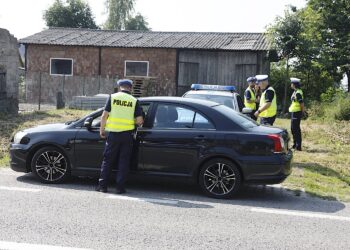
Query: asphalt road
164	216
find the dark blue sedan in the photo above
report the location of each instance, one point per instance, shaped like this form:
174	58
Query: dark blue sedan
201	141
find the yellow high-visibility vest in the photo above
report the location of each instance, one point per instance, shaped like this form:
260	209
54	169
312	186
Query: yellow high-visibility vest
251	105
272	110
295	105
121	118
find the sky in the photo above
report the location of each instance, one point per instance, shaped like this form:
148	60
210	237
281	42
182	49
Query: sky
24	17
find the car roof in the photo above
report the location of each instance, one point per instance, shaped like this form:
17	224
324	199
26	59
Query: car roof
182	100
211	92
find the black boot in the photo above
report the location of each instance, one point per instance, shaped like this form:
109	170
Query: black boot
100	188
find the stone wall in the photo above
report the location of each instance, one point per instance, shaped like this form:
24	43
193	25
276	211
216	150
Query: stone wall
86	79
9	70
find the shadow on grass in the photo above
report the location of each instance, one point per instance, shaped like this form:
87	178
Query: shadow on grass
325	171
317	150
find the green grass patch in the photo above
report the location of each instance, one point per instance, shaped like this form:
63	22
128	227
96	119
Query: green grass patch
322	169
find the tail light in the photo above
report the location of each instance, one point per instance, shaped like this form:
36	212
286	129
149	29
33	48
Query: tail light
278	143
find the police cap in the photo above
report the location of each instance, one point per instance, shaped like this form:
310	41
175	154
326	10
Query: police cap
294	80
251	79
124	82
260	78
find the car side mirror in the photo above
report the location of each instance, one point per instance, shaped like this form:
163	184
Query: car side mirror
247	111
87	122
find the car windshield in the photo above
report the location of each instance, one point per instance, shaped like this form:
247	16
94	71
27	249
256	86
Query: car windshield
240	119
224	100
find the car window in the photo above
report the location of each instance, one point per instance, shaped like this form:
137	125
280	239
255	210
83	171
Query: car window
225	100
238	118
201	122
176	116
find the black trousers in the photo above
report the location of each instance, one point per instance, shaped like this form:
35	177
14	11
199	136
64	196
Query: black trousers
117	152
295	128
267	120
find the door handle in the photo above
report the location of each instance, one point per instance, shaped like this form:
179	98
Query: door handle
200	138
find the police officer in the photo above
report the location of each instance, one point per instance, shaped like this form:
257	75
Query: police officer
296	110
268	105
250	96
121	113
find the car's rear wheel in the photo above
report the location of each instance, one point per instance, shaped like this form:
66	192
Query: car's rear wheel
220	178
50	165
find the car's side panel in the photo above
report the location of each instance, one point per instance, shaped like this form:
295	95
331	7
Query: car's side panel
173	150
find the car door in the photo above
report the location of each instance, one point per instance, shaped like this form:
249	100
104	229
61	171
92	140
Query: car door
89	146
175	139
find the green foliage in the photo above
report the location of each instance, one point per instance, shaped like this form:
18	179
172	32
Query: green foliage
278	79
334	29
71	14
285	33
119	12
137	23
342	110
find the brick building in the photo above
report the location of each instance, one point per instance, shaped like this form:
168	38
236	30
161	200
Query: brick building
87	62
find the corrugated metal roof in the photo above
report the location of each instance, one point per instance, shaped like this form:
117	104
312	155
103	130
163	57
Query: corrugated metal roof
149	39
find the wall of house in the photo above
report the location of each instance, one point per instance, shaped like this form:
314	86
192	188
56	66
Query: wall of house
9	72
86	79
224	68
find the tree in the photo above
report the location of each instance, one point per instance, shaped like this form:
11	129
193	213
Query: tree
334	27
285	35
137	23
119	12
72	14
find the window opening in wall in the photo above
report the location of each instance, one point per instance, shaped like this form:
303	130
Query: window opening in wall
61	66
136	68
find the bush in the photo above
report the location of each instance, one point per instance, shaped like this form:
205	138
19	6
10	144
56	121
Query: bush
316	110
342	111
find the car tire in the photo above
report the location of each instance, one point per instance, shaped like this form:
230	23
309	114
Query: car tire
50	165
220	178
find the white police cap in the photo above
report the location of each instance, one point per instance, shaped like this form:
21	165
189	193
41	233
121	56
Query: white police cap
124	82
294	80
260	78
251	79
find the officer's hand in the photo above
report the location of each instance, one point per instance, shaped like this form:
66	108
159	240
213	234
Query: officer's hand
102	133
256	114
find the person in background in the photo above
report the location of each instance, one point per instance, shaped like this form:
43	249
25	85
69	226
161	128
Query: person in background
296	110
268	105
250	96
121	113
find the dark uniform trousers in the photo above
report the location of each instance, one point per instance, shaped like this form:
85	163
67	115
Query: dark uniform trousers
295	127
267	120
117	151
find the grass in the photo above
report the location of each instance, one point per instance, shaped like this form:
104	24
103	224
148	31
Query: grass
322	169
10	124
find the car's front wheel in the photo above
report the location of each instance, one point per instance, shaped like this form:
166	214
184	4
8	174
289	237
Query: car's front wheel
220	178
50	165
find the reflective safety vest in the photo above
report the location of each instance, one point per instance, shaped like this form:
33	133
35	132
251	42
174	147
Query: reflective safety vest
251	105
121	118
295	105
272	110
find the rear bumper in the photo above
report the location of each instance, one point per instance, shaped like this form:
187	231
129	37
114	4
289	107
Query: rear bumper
271	171
18	157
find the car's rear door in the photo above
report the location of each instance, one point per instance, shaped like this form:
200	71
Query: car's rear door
175	140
